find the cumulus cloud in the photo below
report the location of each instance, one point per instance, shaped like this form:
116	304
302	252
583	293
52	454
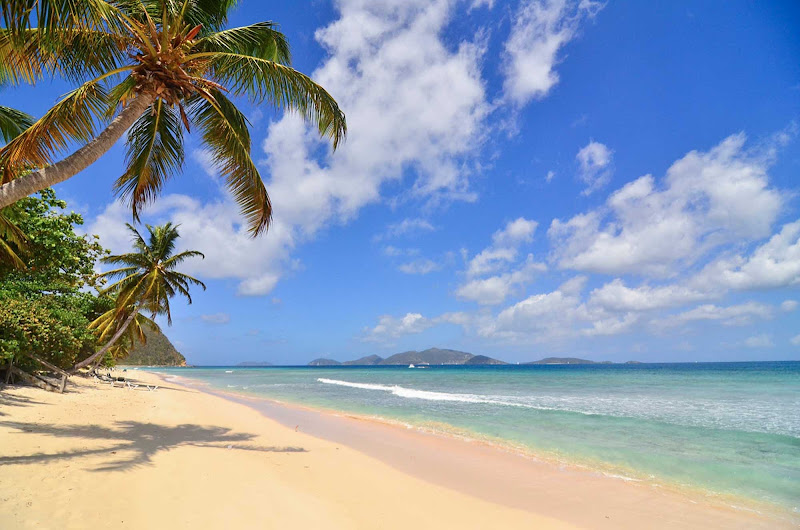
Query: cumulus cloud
389	327
735	315
702	232
542	317
795	340
616	296
772	265
594	161
216	318
540	30
706	200
504	248
495	289
495	273
759	341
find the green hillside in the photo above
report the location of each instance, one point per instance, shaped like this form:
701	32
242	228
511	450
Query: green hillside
158	351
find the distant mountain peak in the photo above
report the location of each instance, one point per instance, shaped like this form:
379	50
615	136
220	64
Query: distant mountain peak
324	362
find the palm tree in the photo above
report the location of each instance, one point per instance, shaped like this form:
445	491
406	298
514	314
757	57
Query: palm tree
12	240
152	68
146	282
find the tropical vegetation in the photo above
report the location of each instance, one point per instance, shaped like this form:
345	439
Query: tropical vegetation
146	281
47	303
151	68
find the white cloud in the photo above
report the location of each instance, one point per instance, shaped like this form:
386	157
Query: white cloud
759	341
540	29
735	315
495	289
595	166
420	266
611	326
386	63
774	264
500	260
389	327
550	176
490	260
616	296
707	200
504	247
795	340
515	233
405	227
787	306
216	318
540	318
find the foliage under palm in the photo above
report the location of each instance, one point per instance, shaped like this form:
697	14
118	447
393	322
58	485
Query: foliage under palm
145	283
159	66
13	241
107	324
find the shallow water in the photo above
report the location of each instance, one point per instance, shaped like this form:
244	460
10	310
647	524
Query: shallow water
727	428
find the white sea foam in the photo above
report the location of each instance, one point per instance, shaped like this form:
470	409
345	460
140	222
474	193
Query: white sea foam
429	395
753	416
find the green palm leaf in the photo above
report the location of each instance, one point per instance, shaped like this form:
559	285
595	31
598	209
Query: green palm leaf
12	242
13	122
224	130
73	54
260	40
279	84
155	153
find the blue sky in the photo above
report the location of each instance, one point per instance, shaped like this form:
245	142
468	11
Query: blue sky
520	179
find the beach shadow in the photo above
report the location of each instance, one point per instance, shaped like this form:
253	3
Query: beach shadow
10	400
140	442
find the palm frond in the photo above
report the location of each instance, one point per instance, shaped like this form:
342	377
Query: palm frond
260	40
54	15
224	130
13	122
73	53
171	262
186	279
72	119
210	14
279	84
10	234
155	153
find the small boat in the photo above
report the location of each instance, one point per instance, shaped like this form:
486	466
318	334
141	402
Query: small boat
228	371
411	366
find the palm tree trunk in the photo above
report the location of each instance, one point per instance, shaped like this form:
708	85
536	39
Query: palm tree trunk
21	187
102	351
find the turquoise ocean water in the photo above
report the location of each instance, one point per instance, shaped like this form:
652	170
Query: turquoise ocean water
726	429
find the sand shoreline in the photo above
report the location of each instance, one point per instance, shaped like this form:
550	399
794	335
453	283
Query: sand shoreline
178	457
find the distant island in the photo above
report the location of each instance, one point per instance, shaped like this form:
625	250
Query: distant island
567	360
254	363
440	356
